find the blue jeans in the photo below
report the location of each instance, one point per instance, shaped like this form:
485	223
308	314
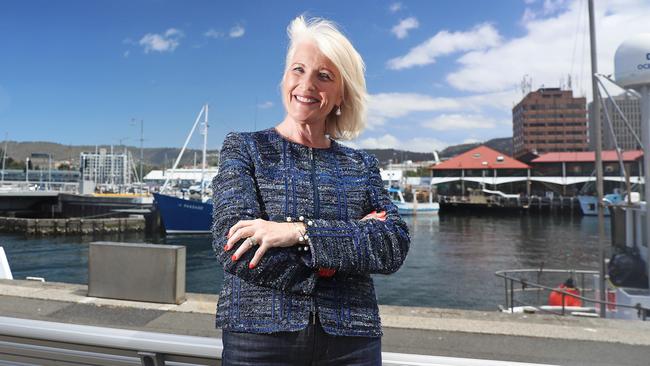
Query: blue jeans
308	347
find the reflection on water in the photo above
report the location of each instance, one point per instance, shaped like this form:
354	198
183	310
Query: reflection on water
451	262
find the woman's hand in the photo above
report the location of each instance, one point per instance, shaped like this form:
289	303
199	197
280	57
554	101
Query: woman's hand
266	234
381	216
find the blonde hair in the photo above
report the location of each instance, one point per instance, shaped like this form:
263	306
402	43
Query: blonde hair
336	47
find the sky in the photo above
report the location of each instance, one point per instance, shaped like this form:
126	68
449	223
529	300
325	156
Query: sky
438	73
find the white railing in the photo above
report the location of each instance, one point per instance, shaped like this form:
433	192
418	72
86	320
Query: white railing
26	341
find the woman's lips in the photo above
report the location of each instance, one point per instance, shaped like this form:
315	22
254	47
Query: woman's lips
307	100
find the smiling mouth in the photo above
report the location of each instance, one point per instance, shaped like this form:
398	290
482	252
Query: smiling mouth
308	100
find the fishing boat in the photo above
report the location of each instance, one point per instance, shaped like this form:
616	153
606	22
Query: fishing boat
414	207
183	212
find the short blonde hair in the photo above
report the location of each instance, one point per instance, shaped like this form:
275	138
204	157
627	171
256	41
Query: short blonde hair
336	47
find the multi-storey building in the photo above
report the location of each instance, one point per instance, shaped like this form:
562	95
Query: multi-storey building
623	136
106	168
549	120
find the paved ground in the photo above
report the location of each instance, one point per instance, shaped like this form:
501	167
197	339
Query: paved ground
443	332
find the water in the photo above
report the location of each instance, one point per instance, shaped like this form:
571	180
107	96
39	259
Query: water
451	262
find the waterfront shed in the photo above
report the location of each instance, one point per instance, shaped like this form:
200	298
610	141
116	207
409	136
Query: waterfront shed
478	167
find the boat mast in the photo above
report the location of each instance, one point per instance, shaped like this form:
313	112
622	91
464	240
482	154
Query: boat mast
595	119
180	155
205	148
4	156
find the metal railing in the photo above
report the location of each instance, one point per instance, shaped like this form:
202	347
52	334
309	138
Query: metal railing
527	285
37	342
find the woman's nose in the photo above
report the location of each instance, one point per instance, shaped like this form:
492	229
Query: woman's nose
309	83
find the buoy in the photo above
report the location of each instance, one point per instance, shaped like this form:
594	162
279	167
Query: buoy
555	297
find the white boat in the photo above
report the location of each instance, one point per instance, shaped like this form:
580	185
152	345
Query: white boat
5	271
414	207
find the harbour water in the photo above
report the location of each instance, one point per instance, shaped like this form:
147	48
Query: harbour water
451	263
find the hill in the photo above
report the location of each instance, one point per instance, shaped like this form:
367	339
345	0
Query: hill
153	157
164	156
501	144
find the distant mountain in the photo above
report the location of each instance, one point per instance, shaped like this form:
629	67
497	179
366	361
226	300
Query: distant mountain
501	144
164	156
155	157
398	156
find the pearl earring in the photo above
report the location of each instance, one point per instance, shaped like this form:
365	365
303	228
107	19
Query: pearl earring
338	110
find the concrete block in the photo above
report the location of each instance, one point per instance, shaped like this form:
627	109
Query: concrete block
140	272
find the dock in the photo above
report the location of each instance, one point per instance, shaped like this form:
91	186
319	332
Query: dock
446	333
533	204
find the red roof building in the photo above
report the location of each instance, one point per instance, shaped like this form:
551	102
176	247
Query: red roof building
481	158
587	156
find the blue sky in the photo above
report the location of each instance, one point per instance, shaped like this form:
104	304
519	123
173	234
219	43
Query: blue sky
438	72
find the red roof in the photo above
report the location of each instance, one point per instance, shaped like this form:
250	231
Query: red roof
586	156
481	157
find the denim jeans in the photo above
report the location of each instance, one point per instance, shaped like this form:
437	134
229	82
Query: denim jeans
308	347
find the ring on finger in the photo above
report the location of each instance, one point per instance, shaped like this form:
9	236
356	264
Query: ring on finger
252	242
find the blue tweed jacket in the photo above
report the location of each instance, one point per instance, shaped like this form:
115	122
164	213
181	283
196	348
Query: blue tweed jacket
263	175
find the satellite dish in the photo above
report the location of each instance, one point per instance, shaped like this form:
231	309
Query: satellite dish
632	62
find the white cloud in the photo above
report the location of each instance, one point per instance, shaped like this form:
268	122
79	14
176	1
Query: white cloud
447	122
236	31
401	30
395	7
211	33
444	42
265	105
471	141
528	16
552	6
551	49
166	42
389	141
126	54
385	106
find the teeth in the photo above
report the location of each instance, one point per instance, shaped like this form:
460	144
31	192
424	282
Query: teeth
306	100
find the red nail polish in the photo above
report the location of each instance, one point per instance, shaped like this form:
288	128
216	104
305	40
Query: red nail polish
225	247
251	266
234	258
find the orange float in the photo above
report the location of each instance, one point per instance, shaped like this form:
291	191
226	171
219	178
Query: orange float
555	297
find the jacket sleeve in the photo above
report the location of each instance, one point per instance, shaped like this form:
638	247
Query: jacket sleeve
361	246
236	197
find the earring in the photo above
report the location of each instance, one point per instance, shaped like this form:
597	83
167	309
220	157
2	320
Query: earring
338	110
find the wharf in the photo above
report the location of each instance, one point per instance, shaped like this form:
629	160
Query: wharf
71	226
547	339
537	204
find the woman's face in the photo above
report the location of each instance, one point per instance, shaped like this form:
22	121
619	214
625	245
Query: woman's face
311	86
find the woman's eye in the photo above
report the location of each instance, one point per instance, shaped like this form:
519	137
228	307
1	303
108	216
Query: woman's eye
325	76
298	69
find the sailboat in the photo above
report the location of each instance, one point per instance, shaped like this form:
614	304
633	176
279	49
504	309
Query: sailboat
185	215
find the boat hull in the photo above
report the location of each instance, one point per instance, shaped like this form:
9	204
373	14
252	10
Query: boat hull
420	209
181	216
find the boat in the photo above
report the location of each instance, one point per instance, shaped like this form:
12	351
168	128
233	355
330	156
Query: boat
620	288
185	212
414	207
588	203
5	270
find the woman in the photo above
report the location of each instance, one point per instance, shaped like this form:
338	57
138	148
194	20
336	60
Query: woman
300	221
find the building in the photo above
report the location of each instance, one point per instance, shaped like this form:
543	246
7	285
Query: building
549	120
568	172
106	168
478	167
631	108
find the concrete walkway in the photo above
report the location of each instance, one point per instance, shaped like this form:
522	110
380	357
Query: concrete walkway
443	332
